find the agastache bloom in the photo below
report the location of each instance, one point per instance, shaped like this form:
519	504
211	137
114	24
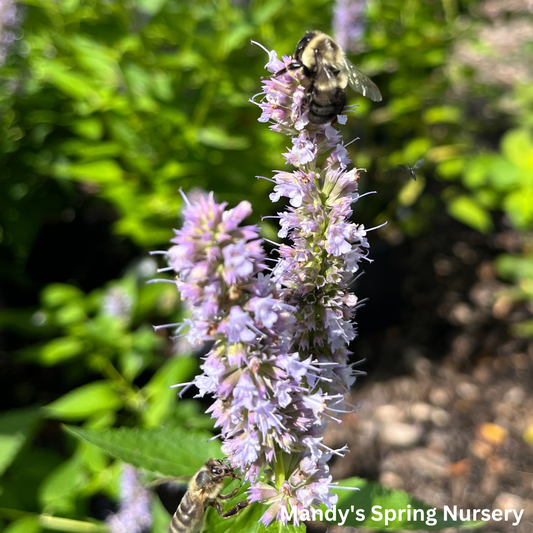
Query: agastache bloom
278	367
313	275
10	18
134	515
349	23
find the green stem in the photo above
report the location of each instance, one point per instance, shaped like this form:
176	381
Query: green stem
55	522
69	525
279	469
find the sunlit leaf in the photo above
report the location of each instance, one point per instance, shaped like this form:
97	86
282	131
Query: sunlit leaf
469	212
84	401
166	451
103	171
517	146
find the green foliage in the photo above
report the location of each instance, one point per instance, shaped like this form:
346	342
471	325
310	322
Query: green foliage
112	107
165	451
85	401
15	429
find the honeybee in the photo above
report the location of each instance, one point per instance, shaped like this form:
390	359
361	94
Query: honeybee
204	491
327	74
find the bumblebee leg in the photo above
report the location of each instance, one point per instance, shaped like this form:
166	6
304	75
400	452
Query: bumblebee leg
292	66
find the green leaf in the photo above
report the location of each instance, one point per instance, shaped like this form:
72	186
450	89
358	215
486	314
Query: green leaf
519	208
58	350
160	517
90	128
71	83
161	399
151	7
104	171
28	524
362	509
514	267
517	146
443	114
58	491
58	294
15	428
166	451
469	212
85	401
411	191
218	138
246	520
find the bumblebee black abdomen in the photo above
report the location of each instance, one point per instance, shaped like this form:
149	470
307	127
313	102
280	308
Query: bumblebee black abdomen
324	106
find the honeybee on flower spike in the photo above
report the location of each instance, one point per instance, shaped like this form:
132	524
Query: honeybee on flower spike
327	73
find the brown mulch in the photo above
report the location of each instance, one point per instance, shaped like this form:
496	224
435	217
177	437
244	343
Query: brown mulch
446	437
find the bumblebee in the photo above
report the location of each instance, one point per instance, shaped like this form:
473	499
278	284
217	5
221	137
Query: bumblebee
327	73
204	491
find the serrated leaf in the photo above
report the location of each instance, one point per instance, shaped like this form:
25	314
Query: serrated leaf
362	509
15	428
84	401
166	451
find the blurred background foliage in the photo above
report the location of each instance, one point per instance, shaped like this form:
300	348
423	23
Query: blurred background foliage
108	108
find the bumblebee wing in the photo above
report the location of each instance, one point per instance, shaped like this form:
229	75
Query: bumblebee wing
361	82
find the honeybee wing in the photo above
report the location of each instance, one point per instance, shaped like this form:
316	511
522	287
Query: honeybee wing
361	83
184	480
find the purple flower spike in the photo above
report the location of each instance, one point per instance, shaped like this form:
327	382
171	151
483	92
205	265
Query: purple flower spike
278	366
313	276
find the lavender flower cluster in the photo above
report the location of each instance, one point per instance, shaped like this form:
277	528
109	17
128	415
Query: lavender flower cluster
278	367
10	18
134	515
349	23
